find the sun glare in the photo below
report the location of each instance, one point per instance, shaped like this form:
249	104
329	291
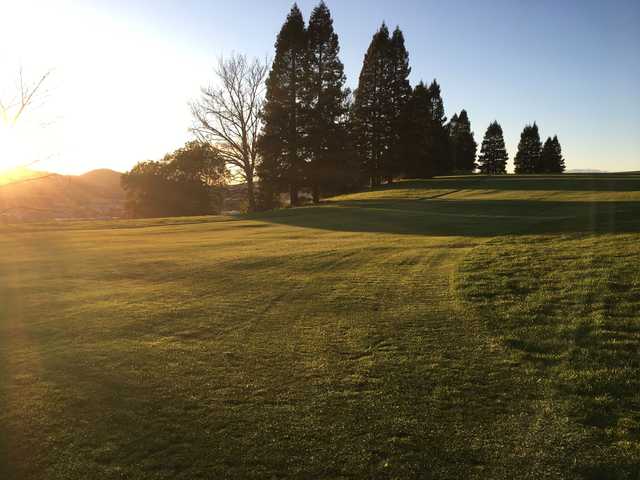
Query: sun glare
121	63
23	144
10	151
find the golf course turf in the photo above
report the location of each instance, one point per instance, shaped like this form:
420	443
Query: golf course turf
460	327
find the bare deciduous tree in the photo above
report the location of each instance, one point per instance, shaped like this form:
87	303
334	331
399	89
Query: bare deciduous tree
26	93
227	115
24	97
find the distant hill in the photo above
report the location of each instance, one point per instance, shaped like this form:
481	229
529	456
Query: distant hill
585	170
19	174
37	196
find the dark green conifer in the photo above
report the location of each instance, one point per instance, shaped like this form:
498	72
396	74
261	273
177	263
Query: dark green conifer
399	95
325	103
527	160
419	163
546	156
282	142
438	135
551	160
463	145
493	154
372	118
452	130
558	164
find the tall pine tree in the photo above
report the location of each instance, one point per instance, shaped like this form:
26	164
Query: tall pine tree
282	142
551	160
546	156
452	130
399	96
463	145
438	135
372	118
325	103
419	163
527	160
558	164
493	154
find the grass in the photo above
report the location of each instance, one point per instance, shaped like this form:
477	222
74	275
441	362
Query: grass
462	327
570	307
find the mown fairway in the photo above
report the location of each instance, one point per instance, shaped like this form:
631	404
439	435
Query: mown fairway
462	327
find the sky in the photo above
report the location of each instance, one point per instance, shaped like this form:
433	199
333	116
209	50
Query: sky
124	71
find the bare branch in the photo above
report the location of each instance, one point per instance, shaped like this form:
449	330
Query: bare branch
228	116
24	98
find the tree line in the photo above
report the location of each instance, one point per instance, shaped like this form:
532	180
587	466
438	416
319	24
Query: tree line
297	127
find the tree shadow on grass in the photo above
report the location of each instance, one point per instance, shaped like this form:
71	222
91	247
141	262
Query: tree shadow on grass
475	218
566	182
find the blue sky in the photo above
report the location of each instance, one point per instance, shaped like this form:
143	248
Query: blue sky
573	66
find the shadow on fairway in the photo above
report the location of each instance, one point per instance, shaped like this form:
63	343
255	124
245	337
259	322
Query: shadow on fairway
463	218
567	182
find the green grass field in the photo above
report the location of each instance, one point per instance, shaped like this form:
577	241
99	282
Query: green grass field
463	327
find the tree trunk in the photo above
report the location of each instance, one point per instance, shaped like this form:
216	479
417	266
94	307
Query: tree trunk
316	193
251	195
293	195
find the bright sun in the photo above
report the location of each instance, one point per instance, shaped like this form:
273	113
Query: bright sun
14	151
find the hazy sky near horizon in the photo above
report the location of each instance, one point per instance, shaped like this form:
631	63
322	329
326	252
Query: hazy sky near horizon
125	70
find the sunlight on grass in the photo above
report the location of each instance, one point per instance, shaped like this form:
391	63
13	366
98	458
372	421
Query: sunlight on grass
569	307
237	345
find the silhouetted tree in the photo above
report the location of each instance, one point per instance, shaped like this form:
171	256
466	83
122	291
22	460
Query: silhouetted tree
438	136
399	96
199	161
380	112
493	154
452	125
463	145
325	101
185	182
546	156
551	160
283	137
350	177
372	115
227	116
527	160
558	165
418	161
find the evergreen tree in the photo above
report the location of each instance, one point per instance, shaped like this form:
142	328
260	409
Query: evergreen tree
399	96
546	156
527	160
325	103
558	164
438	135
282	142
452	125
350	177
419	162
463	145
372	122
493	154
452	130
551	160
271	172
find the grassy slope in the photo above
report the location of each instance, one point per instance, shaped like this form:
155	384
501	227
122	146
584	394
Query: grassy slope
570	307
336	341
